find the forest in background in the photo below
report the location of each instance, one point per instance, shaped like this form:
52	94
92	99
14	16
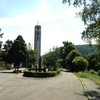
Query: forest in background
86	49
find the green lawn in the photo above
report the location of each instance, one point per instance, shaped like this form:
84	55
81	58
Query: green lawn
86	74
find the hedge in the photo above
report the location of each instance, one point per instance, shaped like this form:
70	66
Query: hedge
41	74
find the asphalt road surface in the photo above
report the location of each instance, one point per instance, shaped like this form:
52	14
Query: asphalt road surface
65	86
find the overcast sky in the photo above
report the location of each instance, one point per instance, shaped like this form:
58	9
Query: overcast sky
59	22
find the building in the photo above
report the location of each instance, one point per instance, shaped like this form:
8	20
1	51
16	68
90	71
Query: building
37	42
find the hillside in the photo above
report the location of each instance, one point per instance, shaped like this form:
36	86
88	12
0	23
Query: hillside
86	49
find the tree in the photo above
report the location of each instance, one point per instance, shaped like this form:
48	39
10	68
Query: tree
8	45
75	2
5	56
18	52
79	64
97	67
70	57
31	58
68	46
90	15
53	58
57	57
49	59
93	60
1	34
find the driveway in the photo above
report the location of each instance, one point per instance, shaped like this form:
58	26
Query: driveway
65	86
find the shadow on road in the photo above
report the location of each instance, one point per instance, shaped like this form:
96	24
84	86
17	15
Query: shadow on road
7	72
83	94
93	94
98	88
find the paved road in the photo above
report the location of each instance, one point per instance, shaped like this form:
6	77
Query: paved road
66	86
91	89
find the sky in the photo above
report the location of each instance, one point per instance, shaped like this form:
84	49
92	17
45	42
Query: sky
58	21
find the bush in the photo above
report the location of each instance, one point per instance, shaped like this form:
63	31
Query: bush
54	68
41	74
97	67
98	72
79	64
92	71
93	60
50	69
70	57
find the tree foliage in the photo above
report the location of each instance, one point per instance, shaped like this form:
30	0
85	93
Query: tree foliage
18	51
90	15
66	56
5	53
68	46
80	64
97	67
70	57
75	2
31	58
93	59
57	57
1	34
51	58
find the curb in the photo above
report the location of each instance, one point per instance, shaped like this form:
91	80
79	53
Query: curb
85	89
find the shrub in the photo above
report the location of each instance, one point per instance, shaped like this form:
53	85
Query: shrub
70	57
50	69
79	64
98	72
54	68
41	74
92	71
93	60
97	67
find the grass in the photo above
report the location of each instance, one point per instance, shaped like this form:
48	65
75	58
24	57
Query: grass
86	74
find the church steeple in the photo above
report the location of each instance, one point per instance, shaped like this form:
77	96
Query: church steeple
37	41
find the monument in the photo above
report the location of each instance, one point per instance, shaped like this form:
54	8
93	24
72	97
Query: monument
37	44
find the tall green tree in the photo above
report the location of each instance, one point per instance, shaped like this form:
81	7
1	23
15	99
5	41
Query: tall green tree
18	52
68	46
1	35
6	47
93	59
70	57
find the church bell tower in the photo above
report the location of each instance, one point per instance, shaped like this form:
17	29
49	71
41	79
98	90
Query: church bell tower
37	42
